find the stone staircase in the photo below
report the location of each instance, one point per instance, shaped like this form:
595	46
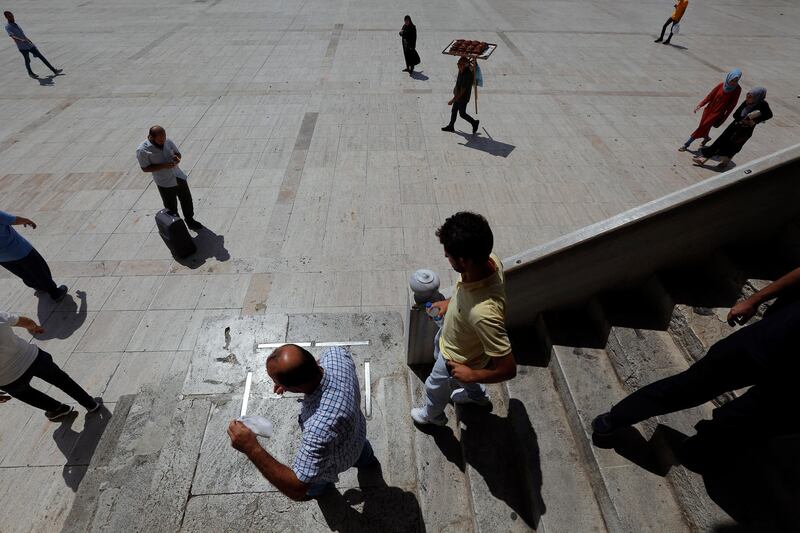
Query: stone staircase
528	464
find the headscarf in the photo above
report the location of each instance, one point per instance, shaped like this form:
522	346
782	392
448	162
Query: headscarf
735	74
758	94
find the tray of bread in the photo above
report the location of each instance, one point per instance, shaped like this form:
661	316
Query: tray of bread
467	48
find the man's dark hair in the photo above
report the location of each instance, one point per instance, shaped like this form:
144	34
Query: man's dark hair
300	374
153	130
466	235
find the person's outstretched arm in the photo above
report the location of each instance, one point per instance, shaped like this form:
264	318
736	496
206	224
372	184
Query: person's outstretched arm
746	309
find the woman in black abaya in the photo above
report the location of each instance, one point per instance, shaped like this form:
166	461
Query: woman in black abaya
409	35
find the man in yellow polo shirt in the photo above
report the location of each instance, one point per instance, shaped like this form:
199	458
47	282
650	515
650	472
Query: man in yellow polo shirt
472	347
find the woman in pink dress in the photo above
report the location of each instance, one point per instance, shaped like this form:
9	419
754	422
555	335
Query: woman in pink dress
720	102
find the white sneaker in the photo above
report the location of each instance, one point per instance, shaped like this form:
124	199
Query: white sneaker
419	416
460	397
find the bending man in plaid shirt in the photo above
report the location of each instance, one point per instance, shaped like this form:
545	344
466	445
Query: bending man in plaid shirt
334	428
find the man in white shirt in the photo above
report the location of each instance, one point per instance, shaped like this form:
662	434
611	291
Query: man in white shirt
159	156
21	361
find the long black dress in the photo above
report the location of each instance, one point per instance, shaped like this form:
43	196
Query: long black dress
733	138
409	35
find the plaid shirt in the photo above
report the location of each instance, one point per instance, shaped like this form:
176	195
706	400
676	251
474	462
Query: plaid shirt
334	428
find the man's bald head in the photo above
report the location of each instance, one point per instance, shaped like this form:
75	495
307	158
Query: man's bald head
157	134
293	367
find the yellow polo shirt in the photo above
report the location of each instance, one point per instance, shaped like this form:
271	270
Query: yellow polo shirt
474	326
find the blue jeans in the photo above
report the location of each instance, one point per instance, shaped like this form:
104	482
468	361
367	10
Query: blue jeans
440	385
367	458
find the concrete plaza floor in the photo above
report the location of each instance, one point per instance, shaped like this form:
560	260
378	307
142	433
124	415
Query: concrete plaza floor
319	168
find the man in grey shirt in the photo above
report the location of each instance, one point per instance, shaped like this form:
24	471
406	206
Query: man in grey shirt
25	46
159	156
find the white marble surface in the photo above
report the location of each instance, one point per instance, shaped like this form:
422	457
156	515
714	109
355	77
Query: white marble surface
581	115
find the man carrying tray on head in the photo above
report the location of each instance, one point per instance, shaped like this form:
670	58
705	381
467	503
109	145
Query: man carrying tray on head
461	95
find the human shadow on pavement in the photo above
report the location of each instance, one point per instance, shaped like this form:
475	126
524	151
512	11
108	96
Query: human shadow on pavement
209	245
504	451
487	144
61	320
383	508
418	75
753	477
78	447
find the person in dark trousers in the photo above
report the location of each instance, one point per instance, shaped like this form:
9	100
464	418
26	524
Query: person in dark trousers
461	96
409	35
21	361
26	46
675	18
754	110
763	354
159	156
20	258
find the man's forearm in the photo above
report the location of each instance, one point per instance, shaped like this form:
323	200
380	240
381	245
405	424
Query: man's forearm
790	280
281	476
156	168
497	371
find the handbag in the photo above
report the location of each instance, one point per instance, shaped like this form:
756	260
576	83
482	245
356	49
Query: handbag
676	28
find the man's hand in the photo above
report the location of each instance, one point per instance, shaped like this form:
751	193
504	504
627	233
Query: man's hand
4	398
278	389
741	313
441	306
242	438
451	101
696	109
176	158
25	222
35	329
462	373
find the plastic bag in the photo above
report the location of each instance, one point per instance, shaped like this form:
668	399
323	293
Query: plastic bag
676	28
258	424
478	75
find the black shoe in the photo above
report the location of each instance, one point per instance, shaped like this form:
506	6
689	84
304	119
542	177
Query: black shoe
98	403
193	224
448	128
406	69
666	42
475	127
61	292
658	40
62	412
33	75
58	71
602	426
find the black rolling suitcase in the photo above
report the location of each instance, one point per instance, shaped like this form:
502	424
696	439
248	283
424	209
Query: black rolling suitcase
173	230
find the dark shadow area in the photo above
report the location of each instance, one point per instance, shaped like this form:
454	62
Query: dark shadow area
746	455
529	346
47	81
79	447
706	284
209	245
579	327
66	321
487	144
640	308
678	46
447	442
418	75
384	508
713	166
512	475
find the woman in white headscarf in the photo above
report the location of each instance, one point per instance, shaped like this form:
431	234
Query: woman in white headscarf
754	110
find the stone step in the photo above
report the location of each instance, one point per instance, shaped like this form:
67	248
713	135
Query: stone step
551	456
115	499
630	499
82	512
641	357
500	471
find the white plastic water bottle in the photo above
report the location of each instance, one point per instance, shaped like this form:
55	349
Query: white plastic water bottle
434	313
